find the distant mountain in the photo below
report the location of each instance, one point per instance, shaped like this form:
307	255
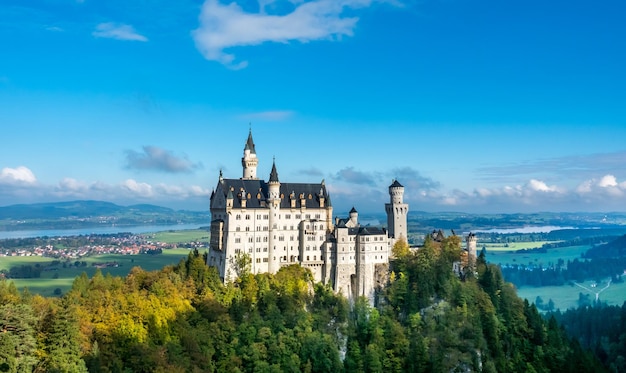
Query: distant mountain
82	214
74	209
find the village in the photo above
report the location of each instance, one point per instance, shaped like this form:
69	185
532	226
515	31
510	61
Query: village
76	247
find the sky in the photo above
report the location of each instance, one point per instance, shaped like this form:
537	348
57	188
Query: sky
482	106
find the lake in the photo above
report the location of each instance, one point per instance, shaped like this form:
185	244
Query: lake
96	230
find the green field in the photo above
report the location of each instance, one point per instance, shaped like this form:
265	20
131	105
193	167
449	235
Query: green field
566	296
190	235
46	284
512	246
551	256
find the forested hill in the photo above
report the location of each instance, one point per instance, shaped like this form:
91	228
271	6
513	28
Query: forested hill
613	249
183	319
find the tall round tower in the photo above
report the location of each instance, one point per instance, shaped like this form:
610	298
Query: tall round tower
397	212
273	201
471	245
249	160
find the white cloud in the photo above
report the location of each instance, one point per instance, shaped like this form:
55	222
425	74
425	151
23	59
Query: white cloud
117	31
226	26
540	186
607	181
19	175
139	189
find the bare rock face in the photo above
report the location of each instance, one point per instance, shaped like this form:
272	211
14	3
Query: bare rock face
381	276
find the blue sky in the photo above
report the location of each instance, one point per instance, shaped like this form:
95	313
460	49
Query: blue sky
475	106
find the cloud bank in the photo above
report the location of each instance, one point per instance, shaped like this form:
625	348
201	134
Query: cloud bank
367	191
154	158
223	26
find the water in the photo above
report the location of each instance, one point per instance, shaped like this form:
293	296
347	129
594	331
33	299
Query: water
536	229
96	230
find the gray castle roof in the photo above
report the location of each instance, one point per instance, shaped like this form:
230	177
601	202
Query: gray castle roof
257	190
396	184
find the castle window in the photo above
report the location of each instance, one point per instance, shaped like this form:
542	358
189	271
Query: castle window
238	217
258	239
258	217
307	257
247	217
258	260
250	251
264	239
288	216
264	260
298	216
247	229
258	228
258	249
314	257
265	249
307	216
238	229
317	216
265	228
238	240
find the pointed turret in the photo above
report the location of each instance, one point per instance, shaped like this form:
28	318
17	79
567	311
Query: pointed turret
274	173
354	217
250	143
273	202
249	160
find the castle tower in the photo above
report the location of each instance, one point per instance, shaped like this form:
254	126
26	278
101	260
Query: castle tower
471	250
397	212
354	217
249	160
273	201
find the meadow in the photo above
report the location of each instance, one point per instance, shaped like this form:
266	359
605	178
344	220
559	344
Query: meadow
62	278
565	296
182	236
510	256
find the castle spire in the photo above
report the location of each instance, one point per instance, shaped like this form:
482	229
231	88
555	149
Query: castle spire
250	143
274	173
249	160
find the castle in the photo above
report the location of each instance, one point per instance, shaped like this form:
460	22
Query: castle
275	224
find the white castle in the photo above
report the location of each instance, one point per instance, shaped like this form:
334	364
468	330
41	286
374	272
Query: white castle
277	224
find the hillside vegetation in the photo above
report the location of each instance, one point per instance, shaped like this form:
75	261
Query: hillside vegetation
183	319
